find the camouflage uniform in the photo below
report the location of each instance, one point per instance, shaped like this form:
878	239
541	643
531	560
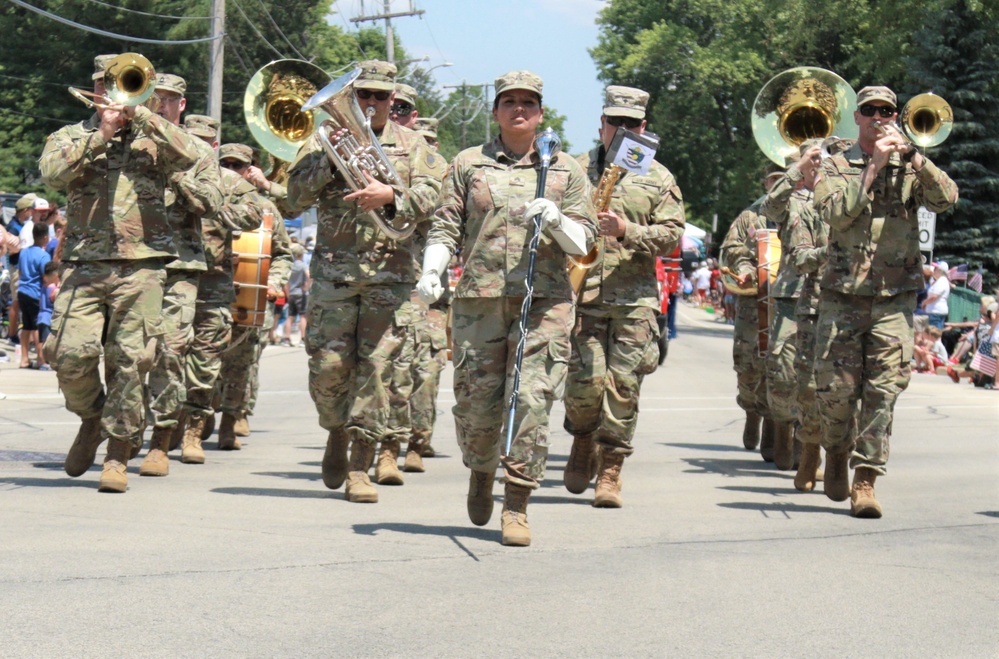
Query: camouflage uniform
118	238
242	211
359	306
869	285
738	254
193	195
482	212
785	207
615	340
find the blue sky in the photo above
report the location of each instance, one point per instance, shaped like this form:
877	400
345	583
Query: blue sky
486	38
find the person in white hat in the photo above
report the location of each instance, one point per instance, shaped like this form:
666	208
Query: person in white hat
935	303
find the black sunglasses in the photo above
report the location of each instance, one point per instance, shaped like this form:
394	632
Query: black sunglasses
402	109
628	122
365	94
233	164
884	110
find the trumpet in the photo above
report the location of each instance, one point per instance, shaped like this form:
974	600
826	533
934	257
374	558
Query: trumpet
128	80
926	121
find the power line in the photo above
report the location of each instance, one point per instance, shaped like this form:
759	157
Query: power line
104	33
357	41
36	116
254	27
274	23
36	82
146	13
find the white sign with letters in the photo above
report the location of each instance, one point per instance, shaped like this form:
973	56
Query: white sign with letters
927	229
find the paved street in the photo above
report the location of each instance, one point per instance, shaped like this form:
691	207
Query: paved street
715	554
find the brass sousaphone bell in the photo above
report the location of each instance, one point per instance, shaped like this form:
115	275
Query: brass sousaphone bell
799	104
272	106
128	80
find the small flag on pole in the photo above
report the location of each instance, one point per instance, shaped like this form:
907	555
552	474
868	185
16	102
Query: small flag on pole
958	273
632	151
983	361
975	282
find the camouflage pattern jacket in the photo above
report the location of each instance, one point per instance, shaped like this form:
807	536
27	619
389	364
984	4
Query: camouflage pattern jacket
481	212
193	195
787	207
349	247
738	250
874	237
653	207
808	243
242	211
115	206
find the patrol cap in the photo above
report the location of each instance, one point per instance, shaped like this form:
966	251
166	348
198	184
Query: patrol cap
405	93
625	102
233	151
171	83
26	202
101	65
868	94
201	125
518	80
427	126
792	158
376	75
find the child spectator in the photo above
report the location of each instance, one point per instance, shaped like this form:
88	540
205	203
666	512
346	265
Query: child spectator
929	351
51	281
29	291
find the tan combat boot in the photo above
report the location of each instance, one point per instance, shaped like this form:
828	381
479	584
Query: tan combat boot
783	445
751	432
480	497
837	477
808	467
767	439
580	468
608	494
157	463
359	487
190	450
83	452
242	427
113	478
427	451
387	470
335	458
862	501
209	427
227	434
513	521
414	461
177	434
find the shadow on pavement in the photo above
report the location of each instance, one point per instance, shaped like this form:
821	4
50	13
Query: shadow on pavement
451	532
706	447
48	482
756	467
581	499
989	513
276	492
777	491
297	475
783	508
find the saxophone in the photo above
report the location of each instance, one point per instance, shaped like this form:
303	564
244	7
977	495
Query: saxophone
579	267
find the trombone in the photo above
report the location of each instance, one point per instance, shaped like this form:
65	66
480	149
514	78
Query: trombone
926	121
128	80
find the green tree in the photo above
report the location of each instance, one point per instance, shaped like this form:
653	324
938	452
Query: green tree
959	60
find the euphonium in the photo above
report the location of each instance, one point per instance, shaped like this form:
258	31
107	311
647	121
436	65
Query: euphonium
579	266
353	148
128	80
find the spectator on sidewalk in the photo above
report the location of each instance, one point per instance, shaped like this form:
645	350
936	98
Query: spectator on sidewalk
929	351
29	292
297	295
50	280
935	303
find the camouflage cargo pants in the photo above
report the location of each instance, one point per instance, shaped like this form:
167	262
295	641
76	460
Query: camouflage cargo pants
611	354
355	332
782	379
166	379
863	352
750	367
121	301
428	363
212	332
410	317
485	333
239	363
810	428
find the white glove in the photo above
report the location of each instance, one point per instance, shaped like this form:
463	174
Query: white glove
568	234
435	260
551	216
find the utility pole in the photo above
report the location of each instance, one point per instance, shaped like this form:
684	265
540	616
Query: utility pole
464	108
215	63
387	15
489	119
